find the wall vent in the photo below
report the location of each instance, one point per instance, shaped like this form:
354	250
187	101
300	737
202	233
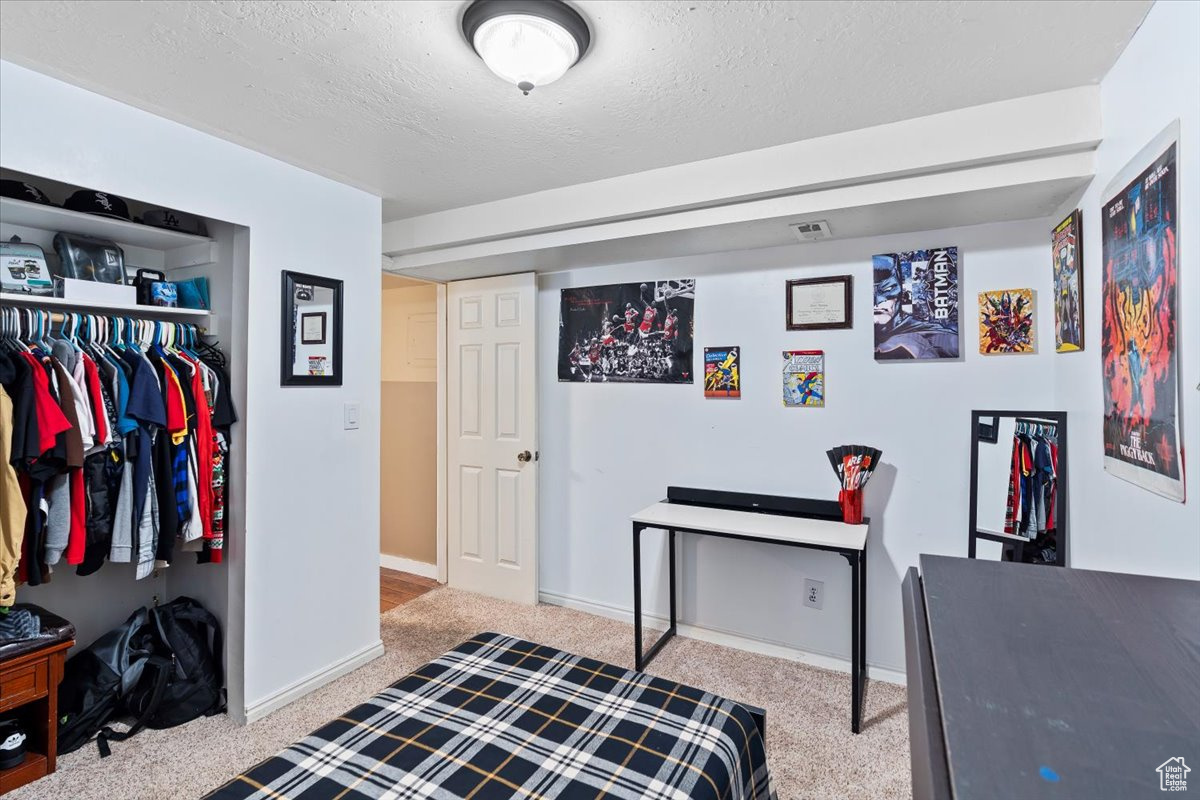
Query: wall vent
811	231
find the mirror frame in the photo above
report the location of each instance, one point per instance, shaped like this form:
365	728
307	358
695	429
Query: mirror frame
982	418
288	334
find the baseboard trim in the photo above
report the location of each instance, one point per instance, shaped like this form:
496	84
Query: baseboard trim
727	638
273	702
408	565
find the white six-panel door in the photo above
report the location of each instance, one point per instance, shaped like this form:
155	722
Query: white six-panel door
491	437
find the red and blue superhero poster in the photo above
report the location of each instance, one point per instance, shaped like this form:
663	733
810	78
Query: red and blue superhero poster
804	378
1139	347
916	304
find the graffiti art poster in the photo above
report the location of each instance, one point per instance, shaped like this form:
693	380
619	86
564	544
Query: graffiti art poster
1139	228
1066	249
627	332
721	373
1006	322
916	304
804	378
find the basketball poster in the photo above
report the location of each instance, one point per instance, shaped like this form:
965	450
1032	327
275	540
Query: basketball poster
1140	358
627	332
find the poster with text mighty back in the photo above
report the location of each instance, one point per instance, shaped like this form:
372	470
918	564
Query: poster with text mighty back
1139	343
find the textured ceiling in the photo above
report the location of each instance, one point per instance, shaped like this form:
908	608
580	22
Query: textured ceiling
387	96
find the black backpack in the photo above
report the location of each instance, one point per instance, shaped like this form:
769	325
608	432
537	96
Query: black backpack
96	680
189	637
158	667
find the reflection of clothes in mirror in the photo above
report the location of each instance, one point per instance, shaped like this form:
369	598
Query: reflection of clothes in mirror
1032	486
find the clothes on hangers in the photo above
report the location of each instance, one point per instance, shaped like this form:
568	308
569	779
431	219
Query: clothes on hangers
108	440
12	504
1032	481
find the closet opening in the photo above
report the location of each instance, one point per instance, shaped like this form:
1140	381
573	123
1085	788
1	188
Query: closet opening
409	552
164	319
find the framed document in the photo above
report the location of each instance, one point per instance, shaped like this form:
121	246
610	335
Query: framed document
312	328
819	303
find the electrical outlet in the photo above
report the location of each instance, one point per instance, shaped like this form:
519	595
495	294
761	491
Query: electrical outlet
814	593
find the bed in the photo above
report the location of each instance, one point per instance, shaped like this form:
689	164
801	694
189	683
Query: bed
500	717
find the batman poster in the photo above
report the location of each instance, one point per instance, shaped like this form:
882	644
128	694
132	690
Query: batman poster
916	304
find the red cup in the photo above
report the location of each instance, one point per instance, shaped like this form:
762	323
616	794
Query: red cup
851	502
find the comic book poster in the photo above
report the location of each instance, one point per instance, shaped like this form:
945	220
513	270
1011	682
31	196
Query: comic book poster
627	332
721	372
804	378
1139	355
1006	322
1067	253
916	304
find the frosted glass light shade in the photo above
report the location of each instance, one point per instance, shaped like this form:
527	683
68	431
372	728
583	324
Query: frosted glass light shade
526	50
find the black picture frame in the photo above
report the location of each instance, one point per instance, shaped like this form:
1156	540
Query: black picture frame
847	285
989	429
319	338
1017	548
290	330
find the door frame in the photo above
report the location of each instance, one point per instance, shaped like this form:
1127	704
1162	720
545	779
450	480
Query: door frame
443	420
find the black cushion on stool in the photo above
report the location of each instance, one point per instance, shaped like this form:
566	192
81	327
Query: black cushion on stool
55	629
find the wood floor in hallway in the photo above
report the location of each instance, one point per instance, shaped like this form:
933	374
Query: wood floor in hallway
397	588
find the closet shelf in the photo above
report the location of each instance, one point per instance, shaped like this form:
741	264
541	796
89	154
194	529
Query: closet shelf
53	218
106	309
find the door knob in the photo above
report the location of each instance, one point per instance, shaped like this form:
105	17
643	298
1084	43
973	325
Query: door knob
524	456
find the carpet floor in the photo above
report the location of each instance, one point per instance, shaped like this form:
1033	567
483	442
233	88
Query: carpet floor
810	749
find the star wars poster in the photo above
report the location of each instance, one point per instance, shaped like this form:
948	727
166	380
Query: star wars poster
1067	252
1006	322
721	372
627	332
916	304
1139	224
804	378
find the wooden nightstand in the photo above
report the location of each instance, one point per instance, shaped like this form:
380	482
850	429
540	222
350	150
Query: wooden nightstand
29	681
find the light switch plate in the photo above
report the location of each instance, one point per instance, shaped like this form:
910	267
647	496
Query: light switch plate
814	593
352	413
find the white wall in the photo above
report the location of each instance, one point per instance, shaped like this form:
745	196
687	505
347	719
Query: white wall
609	450
1119	526
409	334
309	554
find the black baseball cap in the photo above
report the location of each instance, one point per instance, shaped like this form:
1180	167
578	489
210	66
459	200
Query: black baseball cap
99	203
23	191
174	220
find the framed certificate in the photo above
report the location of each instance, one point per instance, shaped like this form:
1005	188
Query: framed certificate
819	303
312	328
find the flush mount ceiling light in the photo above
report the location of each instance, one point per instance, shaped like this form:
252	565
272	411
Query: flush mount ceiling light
526	42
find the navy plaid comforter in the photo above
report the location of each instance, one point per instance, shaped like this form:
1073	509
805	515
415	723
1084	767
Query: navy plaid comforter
499	717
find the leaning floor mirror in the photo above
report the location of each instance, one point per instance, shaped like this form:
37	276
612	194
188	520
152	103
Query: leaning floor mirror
1019	503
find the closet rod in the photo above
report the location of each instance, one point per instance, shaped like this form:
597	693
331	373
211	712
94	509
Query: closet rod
59	317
